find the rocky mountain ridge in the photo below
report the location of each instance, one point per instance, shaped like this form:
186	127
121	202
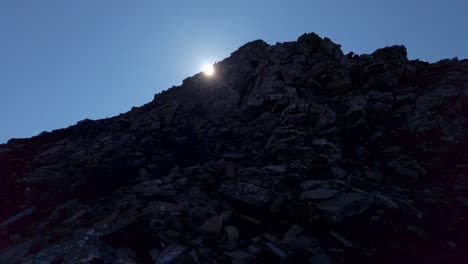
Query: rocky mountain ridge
291	153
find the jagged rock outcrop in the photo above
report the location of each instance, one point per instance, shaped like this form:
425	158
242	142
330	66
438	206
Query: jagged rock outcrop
291	153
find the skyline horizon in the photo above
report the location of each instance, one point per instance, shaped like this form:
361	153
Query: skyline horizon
66	62
201	71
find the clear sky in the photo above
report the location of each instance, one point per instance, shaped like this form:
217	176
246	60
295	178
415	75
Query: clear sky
66	60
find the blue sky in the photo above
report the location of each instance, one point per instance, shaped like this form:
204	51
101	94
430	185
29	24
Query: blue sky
63	61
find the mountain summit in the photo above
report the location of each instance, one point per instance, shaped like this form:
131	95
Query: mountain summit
289	153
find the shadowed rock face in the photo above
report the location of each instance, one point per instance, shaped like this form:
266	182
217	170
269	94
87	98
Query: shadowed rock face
291	153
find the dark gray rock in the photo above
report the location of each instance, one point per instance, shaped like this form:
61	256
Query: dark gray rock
173	254
278	252
344	206
319	194
17	217
314	184
212	227
319	259
247	193
292	234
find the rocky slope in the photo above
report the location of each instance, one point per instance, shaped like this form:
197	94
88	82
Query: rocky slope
292	153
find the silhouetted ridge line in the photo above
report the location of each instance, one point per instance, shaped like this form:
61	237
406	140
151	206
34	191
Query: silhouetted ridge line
290	153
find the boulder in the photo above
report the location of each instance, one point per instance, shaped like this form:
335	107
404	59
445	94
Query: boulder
319	194
212	227
172	254
344	206
247	193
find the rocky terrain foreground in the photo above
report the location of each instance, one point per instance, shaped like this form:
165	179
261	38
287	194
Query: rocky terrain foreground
291	153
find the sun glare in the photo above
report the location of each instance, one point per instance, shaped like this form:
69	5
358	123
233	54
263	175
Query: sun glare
208	69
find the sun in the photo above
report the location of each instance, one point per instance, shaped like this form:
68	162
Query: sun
208	69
